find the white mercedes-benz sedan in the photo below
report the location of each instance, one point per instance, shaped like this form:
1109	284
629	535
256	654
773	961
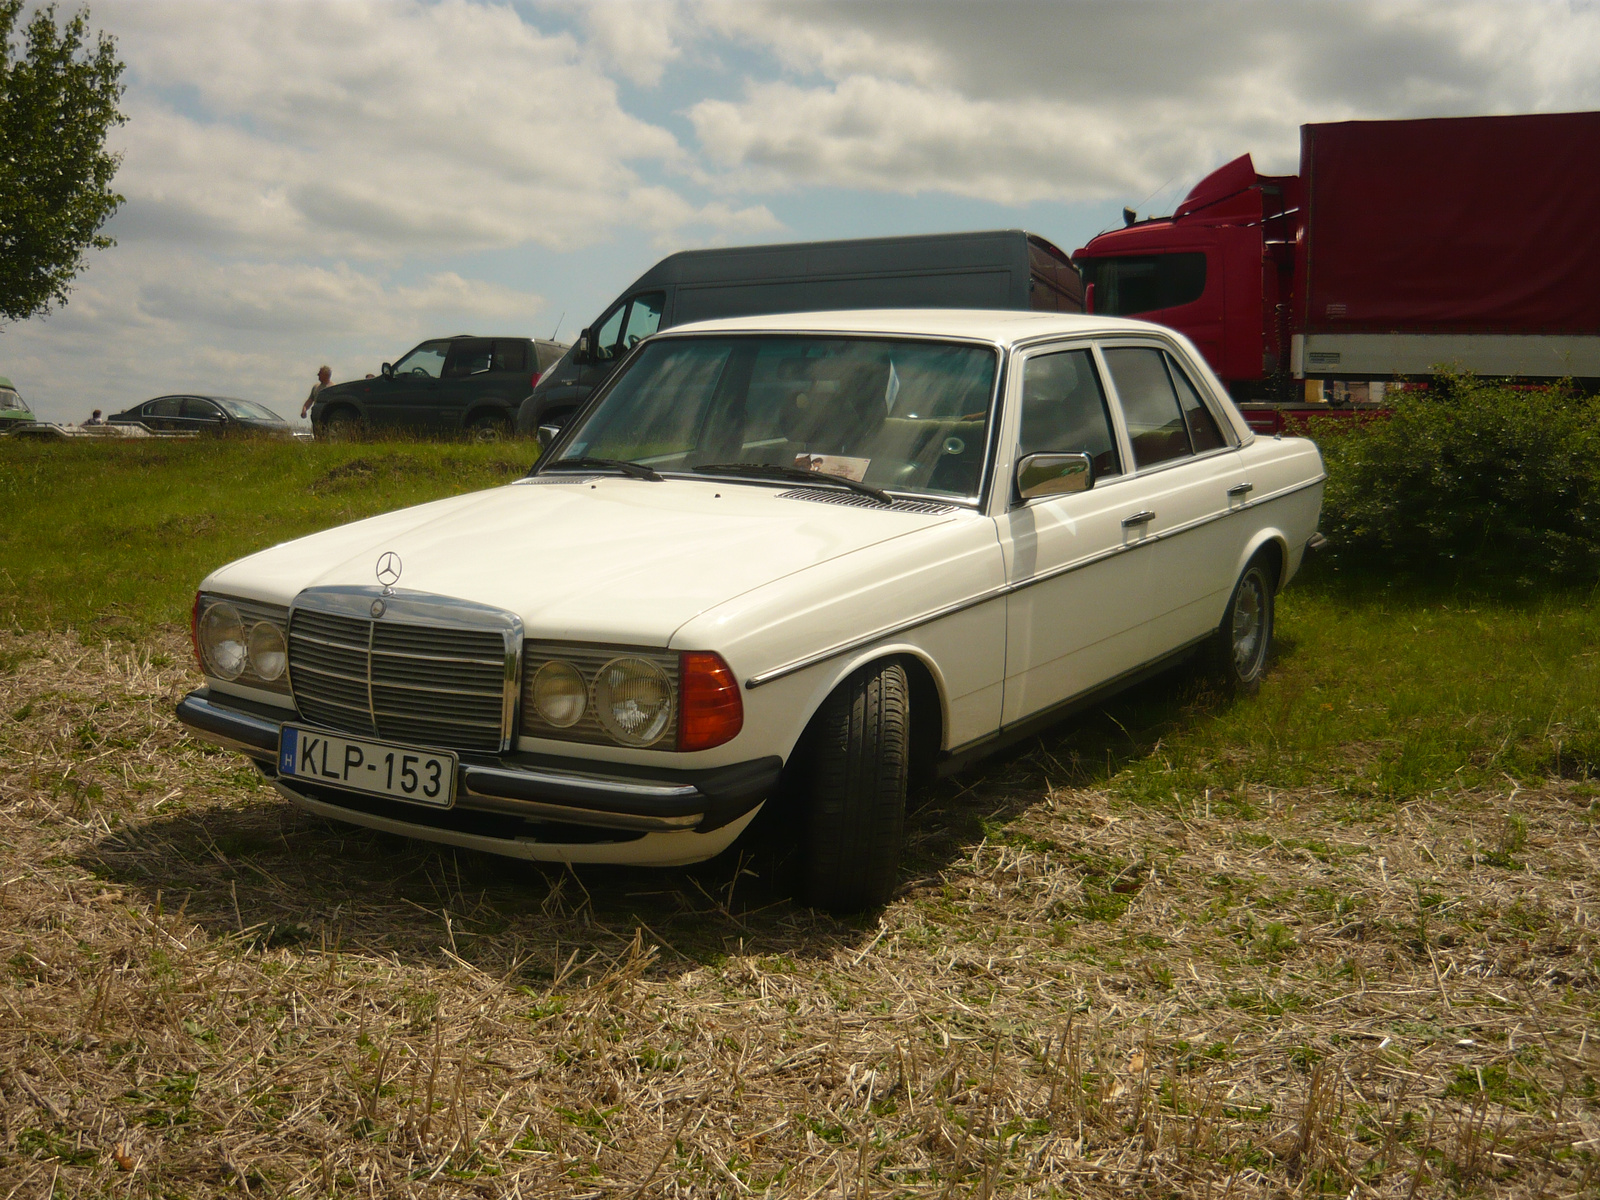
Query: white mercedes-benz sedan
799	560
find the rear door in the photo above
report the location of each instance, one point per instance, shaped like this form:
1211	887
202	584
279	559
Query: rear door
1188	470
163	414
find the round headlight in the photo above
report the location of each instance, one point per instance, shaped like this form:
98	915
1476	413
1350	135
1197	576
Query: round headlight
268	653
634	700
222	641
559	694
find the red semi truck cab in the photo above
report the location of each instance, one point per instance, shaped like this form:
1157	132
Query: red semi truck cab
1401	247
1220	270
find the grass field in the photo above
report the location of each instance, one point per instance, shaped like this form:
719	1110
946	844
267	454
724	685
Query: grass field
1332	939
111	538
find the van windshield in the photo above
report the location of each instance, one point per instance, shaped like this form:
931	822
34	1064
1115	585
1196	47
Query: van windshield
900	415
10	401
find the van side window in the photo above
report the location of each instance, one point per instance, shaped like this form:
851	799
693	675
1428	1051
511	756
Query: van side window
1203	430
1064	410
609	334
644	318
1155	422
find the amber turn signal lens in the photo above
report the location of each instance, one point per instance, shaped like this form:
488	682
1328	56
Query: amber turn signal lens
710	709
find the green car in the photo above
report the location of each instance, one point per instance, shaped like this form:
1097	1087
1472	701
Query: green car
14	411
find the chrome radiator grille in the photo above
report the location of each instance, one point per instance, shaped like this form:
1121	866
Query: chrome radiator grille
425	671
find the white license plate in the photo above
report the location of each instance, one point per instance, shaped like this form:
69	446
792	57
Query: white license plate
376	768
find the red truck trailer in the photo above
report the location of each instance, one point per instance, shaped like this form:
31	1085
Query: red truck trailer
1401	247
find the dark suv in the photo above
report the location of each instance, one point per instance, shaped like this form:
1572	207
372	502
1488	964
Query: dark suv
444	386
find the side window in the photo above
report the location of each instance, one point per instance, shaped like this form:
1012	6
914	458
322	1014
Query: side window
547	354
469	358
204	410
609	334
1146	283
1064	410
167	406
511	354
644	318
1155	422
427	359
1203	430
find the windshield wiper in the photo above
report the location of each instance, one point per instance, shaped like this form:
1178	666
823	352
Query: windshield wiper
632	469
772	471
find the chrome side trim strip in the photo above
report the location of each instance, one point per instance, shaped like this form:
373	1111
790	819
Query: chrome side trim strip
1006	589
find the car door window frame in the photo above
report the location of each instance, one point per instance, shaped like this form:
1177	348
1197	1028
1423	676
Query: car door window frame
1013	434
1146	342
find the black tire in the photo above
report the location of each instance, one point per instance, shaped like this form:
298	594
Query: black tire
489	427
342	425
856	814
1242	645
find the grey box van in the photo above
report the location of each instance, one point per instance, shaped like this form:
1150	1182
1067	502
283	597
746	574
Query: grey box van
1007	268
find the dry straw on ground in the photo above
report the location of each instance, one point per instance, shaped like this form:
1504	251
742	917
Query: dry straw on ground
204	992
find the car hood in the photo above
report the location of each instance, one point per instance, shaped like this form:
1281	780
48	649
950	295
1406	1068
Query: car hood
599	558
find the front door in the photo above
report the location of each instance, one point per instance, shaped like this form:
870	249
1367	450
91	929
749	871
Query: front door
408	398
1074	616
468	374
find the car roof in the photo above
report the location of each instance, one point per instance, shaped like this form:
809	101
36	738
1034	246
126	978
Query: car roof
6	383
1006	326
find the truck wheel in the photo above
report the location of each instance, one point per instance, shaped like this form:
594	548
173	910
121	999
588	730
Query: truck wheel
341	425
1243	642
856	815
489	427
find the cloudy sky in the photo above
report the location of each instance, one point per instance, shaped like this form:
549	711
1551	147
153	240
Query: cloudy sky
334	181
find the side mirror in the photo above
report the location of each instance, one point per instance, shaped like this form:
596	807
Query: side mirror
1054	475
583	348
547	435
388	370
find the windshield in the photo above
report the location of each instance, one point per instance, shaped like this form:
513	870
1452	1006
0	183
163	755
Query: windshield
426	359
907	416
10	401
246	409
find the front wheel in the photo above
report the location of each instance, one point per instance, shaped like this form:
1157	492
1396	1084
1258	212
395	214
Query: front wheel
489	428
341	425
856	814
1243	641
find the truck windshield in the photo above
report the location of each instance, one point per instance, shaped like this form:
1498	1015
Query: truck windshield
10	401
1146	282
903	416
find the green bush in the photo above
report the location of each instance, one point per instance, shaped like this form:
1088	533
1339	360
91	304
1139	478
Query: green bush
1472	483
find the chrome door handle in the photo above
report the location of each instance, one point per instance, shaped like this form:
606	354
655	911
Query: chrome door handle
1241	489
1139	518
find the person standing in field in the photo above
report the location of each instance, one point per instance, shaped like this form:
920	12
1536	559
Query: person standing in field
323	376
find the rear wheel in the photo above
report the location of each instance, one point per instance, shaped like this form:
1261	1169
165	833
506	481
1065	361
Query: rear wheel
856	814
342	425
1243	642
489	427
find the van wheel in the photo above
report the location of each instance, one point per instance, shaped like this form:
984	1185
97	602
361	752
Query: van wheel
342	425
855	819
489	427
1243	642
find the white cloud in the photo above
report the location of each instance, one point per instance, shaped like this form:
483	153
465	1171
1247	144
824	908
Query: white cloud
636	39
1022	102
378	129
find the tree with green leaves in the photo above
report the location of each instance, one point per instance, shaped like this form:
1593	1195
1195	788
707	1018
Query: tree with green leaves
58	100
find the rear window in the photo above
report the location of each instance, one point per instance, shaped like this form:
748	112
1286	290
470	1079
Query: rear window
1145	283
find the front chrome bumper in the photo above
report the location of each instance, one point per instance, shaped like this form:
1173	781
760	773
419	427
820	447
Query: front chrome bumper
533	787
